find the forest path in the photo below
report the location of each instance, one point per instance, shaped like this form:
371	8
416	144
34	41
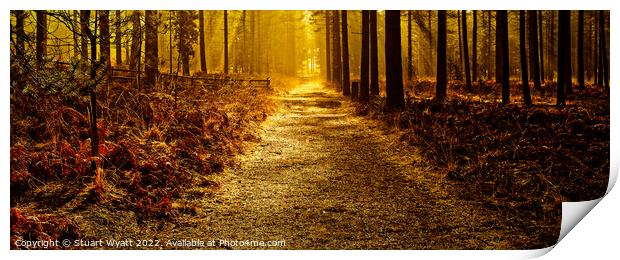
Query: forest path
324	178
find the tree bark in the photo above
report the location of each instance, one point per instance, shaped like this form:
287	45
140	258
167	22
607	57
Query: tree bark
151	50
345	55
104	37
563	58
118	38
474	48
365	55
465	50
498	48
502	18
525	83
374	55
393	62
337	66
580	65
41	44
409	48
136	40
604	68
225	42
459	72
83	37
328	57
201	30
533	42
442	79
541	46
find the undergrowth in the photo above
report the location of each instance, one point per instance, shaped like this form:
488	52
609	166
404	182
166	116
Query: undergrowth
153	145
527	158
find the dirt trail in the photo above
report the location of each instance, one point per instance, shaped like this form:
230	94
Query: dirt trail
324	178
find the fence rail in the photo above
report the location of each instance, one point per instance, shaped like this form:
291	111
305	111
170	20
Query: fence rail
212	81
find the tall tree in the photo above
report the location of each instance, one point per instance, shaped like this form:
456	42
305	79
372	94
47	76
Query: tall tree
75	22
409	47
328	58
20	34
604	67
541	48
474	48
580	65
136	40
118	35
151	49
498	48
104	37
225	42
533	42
345	55
502	27
466	50
459	74
563	55
364	86
489	45
393	63
41	44
83	38
337	66
201	30
525	83
374	55
442	79
186	37
90	35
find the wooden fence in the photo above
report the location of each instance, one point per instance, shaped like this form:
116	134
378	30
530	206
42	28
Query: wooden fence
210	81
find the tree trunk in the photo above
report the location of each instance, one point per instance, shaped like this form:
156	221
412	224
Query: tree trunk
430	41
488	45
459	73
502	18
374	55
498	48
201	30
551	45
20	34
94	136
365	66
533	42
136	40
409	48
474	48
568	76
393	62
83	37
118	38
41	44
442	79
104	37
225	42
525	83
541	46
151	50
336	46
580	65
604	68
466	50
328	57
345	55
563	55
75	21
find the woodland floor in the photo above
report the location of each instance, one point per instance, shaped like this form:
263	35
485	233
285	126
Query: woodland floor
323	178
